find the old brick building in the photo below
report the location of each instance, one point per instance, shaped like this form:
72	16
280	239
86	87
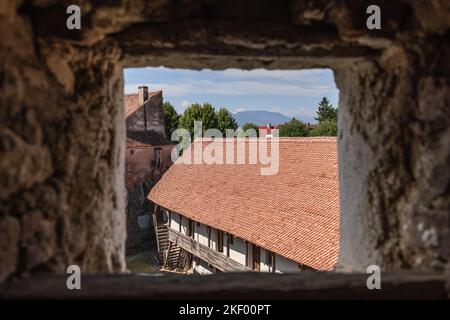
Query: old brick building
147	157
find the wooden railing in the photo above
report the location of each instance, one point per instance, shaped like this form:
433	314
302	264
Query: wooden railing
214	258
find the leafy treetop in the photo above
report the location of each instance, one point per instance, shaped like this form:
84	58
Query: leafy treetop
326	111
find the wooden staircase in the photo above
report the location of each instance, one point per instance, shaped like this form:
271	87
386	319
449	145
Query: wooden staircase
162	238
171	256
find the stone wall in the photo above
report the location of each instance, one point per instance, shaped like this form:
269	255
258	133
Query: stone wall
62	129
62	150
149	116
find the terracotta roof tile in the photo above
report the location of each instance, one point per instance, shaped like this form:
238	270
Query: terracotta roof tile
294	213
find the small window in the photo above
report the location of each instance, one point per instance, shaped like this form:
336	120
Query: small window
191	228
268	257
161	215
165	216
219	241
132	152
157	157
246	253
208	229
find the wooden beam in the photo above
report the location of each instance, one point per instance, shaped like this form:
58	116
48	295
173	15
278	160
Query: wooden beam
249	285
179	256
216	259
166	255
155	226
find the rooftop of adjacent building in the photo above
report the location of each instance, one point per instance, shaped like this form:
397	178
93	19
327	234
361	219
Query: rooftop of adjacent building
147	138
294	213
132	101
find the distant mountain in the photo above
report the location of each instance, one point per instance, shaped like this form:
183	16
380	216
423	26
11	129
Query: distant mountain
262	118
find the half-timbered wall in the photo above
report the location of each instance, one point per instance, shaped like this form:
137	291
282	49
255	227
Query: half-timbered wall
236	249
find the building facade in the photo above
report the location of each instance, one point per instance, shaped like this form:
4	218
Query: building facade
211	250
147	157
267	130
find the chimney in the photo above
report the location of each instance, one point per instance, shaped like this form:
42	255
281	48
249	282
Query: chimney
143	94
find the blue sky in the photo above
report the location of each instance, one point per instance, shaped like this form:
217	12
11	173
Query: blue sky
291	92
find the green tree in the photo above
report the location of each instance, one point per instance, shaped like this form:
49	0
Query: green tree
225	120
171	119
209	116
294	128
245	127
253	126
196	112
326	128
326	111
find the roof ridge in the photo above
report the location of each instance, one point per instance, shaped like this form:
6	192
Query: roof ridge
295	139
149	93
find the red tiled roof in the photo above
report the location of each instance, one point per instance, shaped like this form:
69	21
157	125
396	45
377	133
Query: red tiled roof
294	213
147	138
131	143
132	101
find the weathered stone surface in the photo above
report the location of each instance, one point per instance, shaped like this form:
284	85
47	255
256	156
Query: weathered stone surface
61	153
28	164
148	117
232	286
38	239
62	129
9	246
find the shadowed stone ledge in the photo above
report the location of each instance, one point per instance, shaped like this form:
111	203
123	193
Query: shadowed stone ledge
394	285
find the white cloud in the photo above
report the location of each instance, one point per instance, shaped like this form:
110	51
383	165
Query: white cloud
185	104
277	109
235	88
240	109
131	88
294	112
168	89
233	82
300	111
306	75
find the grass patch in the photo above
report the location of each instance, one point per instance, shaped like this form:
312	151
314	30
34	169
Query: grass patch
144	262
